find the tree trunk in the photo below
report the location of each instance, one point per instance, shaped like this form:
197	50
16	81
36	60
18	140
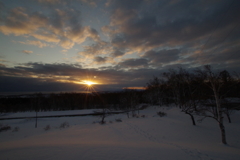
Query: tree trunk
128	114
229	118
192	118
36	121
103	117
219	115
223	133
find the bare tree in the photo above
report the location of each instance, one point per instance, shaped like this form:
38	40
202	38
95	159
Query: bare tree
229	85
184	89
130	100
215	83
174	85
105	111
37	102
156	91
189	93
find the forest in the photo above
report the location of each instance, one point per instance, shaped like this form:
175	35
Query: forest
71	101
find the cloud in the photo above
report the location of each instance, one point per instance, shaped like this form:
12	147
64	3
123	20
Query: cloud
134	63
125	4
135	88
222	58
67	44
27	51
60	26
99	49
121	16
79	34
67	2
2	6
30	75
94	49
17	23
51	69
25	84
2	65
90	2
35	43
64	51
100	60
171	32
2	61
117	53
66	77
162	56
168	28
158	34
44	36
49	1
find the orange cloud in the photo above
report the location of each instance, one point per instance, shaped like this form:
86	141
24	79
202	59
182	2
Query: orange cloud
135	88
35	43
27	51
65	31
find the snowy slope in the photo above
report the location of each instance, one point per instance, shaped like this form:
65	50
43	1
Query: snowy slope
153	137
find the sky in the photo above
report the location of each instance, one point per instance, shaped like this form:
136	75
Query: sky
60	45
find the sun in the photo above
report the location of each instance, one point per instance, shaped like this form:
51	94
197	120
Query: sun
89	83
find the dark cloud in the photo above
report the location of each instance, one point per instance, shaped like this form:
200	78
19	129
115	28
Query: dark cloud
50	1
134	63
2	6
60	77
191	26
146	32
37	77
117	53
54	69
99	59
95	49
42	70
126	4
162	56
22	84
226	57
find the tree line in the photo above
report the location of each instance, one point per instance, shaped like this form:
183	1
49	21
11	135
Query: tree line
202	92
71	101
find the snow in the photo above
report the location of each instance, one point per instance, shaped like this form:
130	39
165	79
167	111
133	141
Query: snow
52	113
153	137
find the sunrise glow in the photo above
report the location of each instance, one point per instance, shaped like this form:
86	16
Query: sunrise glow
89	83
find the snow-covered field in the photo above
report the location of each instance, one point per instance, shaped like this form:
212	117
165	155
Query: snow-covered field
172	137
